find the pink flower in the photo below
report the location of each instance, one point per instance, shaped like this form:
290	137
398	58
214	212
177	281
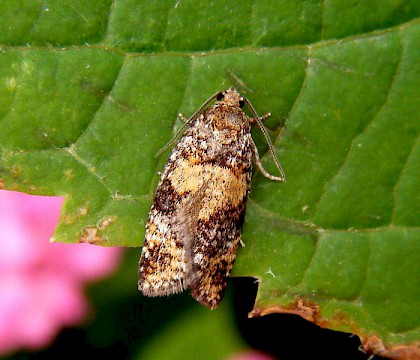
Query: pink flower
41	283
251	355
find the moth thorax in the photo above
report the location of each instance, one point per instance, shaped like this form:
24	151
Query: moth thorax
233	120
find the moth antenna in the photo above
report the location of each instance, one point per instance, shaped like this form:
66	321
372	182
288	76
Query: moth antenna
201	108
181	129
257	118
187	122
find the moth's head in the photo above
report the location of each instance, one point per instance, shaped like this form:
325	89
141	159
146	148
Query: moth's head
230	97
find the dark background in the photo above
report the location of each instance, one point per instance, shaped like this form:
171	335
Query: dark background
118	328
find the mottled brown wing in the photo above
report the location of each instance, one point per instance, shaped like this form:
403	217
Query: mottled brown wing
219	214
214	253
163	264
162	268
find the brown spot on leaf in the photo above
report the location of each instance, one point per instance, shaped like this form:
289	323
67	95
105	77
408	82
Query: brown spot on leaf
68	219
92	235
16	171
374	345
2	185
340	319
105	222
302	307
68	174
84	210
14	187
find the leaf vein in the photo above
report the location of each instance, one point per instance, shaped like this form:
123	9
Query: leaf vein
397	182
324	5
90	169
31	30
353	143
365	273
394	189
110	98
108	22
296	102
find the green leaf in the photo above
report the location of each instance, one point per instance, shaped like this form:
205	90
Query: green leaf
89	92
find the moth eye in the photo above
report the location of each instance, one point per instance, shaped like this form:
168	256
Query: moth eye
241	102
220	96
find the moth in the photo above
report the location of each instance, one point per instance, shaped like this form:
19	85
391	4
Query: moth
195	222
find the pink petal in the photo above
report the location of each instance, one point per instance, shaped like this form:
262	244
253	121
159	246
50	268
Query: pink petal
25	224
85	261
41	284
251	355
